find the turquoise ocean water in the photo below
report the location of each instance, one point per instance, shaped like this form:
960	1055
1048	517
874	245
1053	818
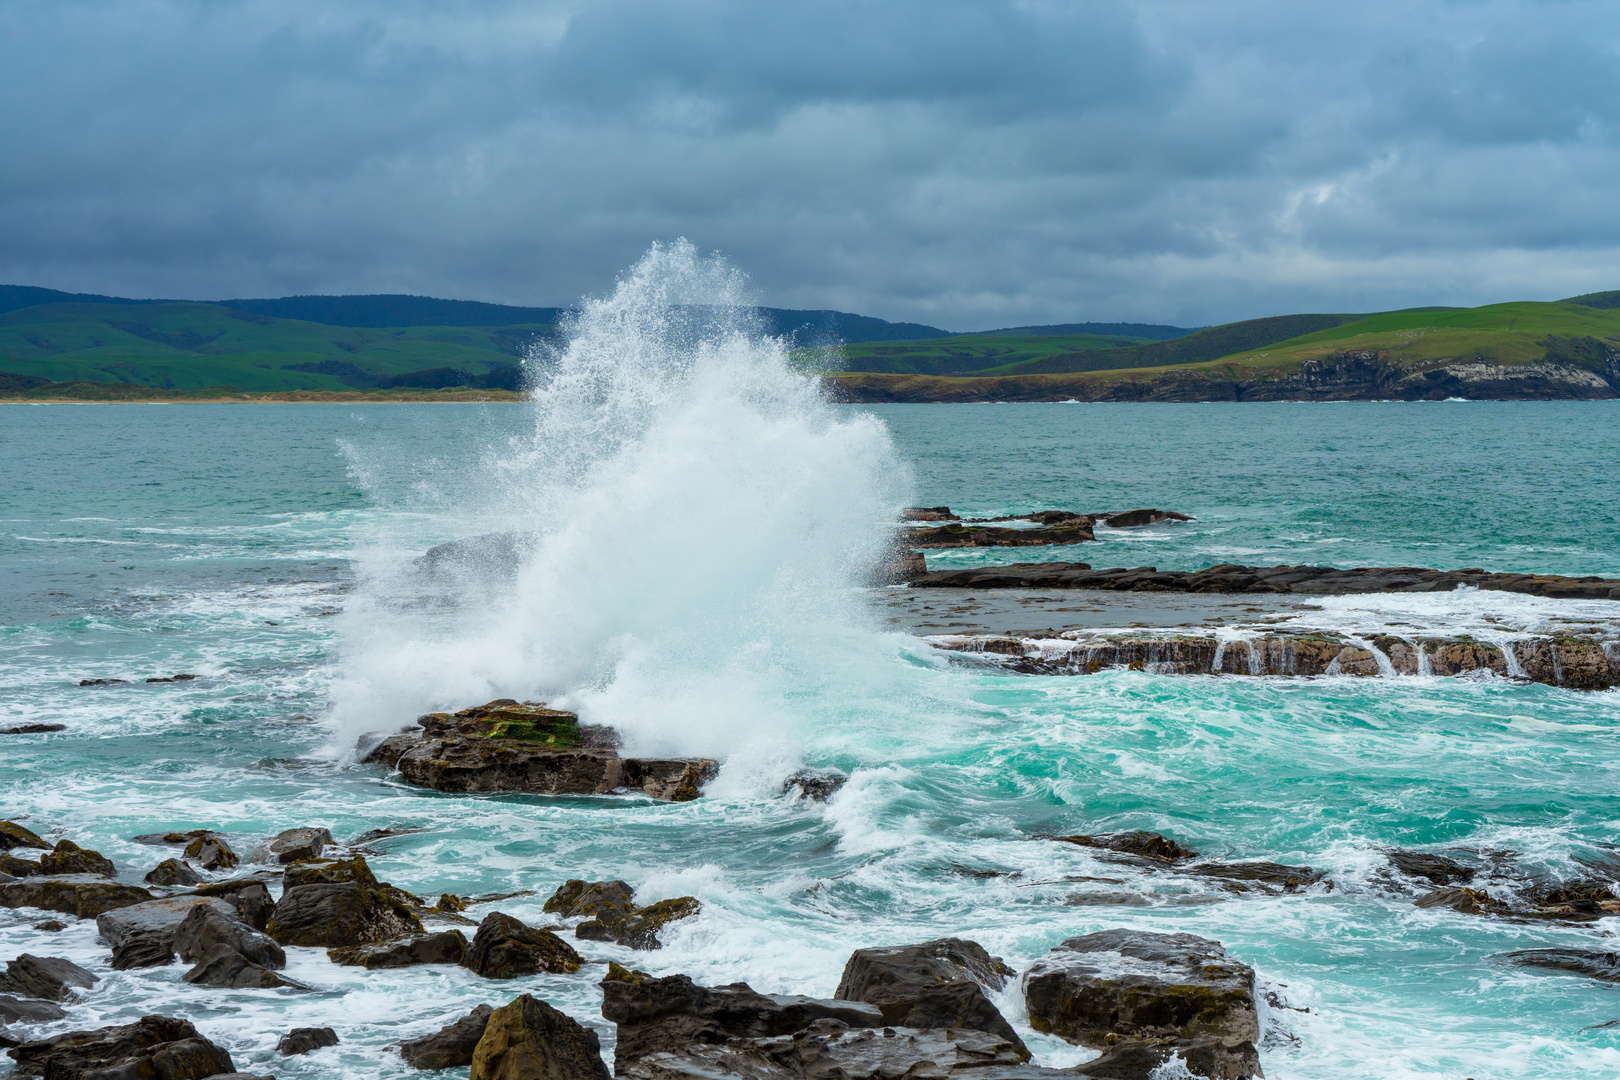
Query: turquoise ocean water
266	549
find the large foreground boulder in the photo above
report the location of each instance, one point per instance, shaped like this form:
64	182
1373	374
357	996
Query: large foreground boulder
339	903
612	915
161	1047
49	977
450	1047
937	984
505	948
142	935
81	895
1136	985
529	1040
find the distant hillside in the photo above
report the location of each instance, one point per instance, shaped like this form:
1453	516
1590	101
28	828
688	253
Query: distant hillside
1147	331
1517	351
388	310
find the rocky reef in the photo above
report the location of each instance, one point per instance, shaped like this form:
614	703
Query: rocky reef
508	745
1573	661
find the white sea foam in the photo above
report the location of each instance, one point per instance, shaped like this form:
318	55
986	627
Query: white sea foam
697	514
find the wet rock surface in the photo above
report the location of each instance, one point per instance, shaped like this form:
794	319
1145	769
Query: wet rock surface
339	903
506	948
69	858
296	845
50	978
81	895
142	935
1137	985
508	745
211	853
29	1011
303	1040
206	928
1435	869
937	984
249	896
224	966
612	915
1232	578
816	785
13	835
445	947
1149	845
154	1046
173	872
1570	661
529	1040
451	1046
957	535
1604	966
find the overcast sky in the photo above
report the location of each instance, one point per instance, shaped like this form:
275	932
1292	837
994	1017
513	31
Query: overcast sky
965	164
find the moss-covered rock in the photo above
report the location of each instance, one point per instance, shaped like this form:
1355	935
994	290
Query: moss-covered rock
13	835
529	1040
79	895
70	858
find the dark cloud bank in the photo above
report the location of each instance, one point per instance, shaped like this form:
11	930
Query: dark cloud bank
965	164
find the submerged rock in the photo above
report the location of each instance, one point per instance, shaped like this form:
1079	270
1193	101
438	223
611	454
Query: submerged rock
450	1047
31	729
445	947
303	1040
1131	519
1604	966
173	872
1149	845
1264	876
70	858
331	905
1435	869
153	1046
1137	985
80	895
529	1040
937	984
511	746
49	977
505	948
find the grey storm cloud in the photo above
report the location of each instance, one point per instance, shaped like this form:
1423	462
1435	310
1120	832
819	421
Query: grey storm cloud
969	164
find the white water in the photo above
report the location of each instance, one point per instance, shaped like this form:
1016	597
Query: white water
699	514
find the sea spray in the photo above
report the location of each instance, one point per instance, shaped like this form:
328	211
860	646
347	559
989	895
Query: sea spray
684	527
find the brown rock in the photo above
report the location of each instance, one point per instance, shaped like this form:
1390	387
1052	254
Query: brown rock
296	845
70	858
529	1040
142	935
445	947
1150	845
79	895
339	903
505	948
224	966
173	872
450	1047
49	977
211	853
13	835
303	1040
154	1046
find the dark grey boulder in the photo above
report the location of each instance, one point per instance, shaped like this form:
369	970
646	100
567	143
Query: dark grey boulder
173	872
1137	985
527	1039
671	1014
1257	876
13	835
613	914
249	896
205	929
444	947
84	896
224	966
142	935
506	948
49	977
1148	845
816	785
937	984
296	845
153	1046
303	1040
1435	869
18	1011
1207	1057
451	1047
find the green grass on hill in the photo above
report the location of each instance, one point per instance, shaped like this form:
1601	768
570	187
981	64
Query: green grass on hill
190	346
963	353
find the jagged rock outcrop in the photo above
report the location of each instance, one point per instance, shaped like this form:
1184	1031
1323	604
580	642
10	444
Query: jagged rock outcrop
154	1046
249	896
1148	845
451	1046
1569	661
505	948
80	895
444	947
1435	869
937	984
211	852
29	1011
612	915
339	903
50	978
1132	984
206	928
142	935
527	1039
511	746
224	966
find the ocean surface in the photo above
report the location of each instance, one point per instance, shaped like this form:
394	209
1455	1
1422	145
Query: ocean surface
695	587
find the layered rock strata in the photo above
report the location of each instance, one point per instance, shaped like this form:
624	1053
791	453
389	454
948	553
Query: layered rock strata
511	746
1572	661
